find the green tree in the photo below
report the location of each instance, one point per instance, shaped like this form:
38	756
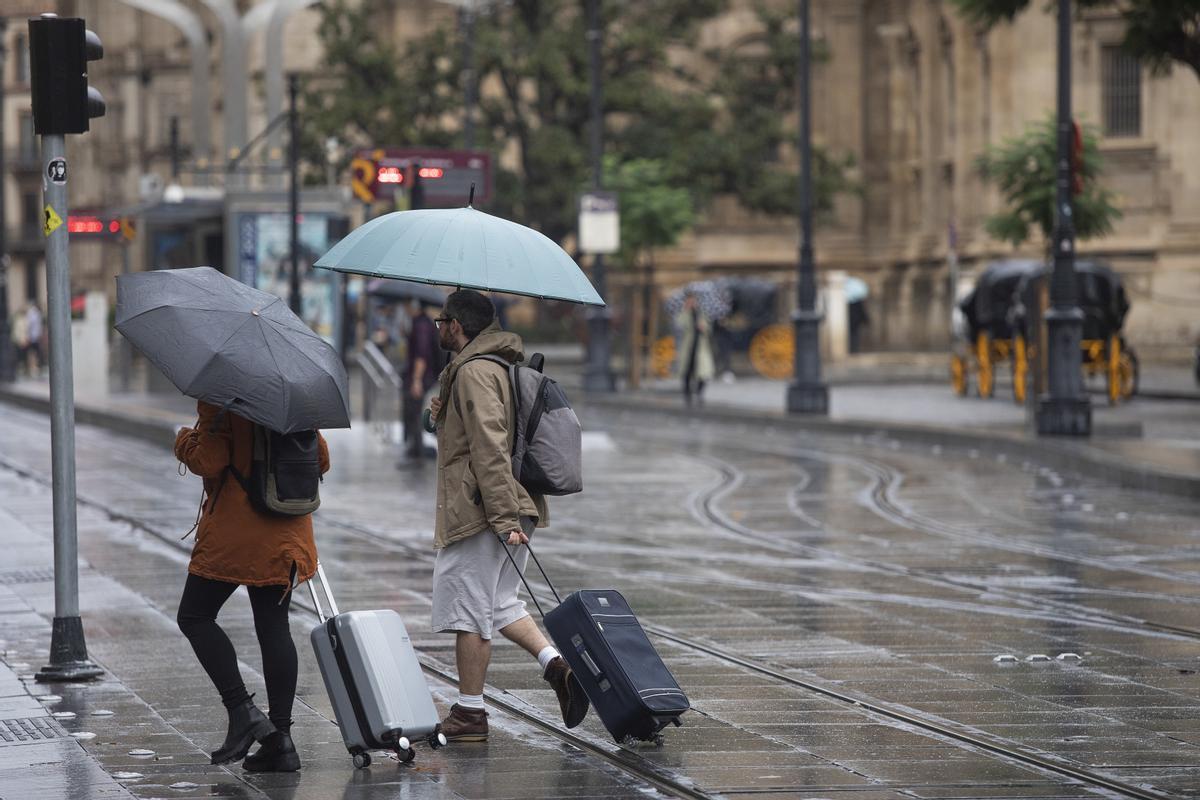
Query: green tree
1158	32
1024	168
706	134
654	213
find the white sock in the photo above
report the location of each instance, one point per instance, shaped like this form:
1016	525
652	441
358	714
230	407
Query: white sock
470	700
547	655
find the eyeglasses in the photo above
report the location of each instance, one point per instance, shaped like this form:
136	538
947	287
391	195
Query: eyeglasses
439	321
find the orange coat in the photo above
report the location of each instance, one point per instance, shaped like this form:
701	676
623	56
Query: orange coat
235	543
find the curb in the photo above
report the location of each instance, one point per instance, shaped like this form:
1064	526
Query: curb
157	427
154	425
1062	455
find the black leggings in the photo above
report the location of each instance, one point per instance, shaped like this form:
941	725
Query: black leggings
202	600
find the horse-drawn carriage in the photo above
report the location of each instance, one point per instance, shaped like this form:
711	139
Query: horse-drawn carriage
988	325
1003	317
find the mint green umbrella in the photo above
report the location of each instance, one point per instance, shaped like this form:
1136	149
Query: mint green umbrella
465	248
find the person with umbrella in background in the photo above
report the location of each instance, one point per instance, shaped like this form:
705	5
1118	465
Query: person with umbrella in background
696	364
263	381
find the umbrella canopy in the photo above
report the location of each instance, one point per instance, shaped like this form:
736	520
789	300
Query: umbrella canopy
223	342
714	298
856	289
406	290
465	248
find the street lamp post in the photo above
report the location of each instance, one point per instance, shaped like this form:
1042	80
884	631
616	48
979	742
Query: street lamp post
1065	409
806	394
467	13
8	356
598	374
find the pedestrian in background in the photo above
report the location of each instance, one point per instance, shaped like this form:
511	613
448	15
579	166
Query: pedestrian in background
238	546
34	330
480	505
696	364
421	368
20	337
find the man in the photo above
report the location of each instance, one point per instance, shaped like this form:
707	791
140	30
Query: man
420	373
474	583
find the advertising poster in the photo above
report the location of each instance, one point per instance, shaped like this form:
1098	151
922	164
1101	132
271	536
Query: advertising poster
265	263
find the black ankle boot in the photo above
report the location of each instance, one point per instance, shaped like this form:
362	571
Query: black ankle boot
277	754
247	725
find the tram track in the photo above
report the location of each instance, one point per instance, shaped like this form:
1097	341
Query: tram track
881	490
626	759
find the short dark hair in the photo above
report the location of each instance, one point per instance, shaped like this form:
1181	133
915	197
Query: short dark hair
472	310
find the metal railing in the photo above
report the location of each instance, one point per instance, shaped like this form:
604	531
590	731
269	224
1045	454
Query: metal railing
382	388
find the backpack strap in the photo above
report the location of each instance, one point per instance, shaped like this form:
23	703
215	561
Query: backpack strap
511	367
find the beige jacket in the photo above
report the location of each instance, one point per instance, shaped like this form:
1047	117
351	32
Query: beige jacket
476	490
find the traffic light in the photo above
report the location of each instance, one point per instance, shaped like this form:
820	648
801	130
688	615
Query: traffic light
59	51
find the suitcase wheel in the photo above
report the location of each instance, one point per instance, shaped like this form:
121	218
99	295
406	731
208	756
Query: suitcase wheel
405	755
362	760
437	739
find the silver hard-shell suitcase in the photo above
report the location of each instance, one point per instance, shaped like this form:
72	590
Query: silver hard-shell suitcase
374	680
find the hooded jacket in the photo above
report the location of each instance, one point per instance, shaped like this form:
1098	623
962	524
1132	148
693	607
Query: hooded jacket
476	490
235	543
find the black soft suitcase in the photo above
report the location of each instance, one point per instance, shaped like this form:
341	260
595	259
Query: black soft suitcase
630	687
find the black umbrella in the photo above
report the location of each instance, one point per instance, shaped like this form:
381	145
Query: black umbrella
223	342
394	289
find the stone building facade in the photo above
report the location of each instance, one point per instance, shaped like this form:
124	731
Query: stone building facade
911	90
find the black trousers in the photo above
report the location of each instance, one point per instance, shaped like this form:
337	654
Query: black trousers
198	608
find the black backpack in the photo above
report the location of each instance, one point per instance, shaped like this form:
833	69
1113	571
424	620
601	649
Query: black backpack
285	473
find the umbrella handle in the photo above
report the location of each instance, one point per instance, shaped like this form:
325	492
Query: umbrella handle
427	421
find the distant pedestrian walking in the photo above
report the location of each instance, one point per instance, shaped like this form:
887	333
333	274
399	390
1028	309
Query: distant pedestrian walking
34	330
478	502
237	545
420	374
696	365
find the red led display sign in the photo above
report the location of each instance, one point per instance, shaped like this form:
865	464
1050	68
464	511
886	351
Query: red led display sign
446	175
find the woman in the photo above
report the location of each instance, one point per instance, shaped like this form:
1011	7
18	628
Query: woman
696	363
237	546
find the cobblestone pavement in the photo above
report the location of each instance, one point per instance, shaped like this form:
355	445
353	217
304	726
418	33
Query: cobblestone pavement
852	618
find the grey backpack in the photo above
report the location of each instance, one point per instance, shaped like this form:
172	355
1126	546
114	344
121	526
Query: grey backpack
547	454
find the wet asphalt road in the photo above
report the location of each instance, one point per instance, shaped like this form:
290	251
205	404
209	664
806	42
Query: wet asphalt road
778	564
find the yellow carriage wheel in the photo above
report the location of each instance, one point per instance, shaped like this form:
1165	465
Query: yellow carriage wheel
959	380
773	351
983	354
1128	372
662	356
1114	370
1020	369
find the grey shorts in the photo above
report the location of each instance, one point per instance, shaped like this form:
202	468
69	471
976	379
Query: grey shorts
475	586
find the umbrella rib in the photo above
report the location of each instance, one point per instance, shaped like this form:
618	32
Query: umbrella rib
217	351
278	371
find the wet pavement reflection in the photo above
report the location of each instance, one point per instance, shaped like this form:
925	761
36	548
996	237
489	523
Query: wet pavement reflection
987	596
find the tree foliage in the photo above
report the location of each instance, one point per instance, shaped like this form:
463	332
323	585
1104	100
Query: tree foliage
654	213
1025	170
715	127
1157	32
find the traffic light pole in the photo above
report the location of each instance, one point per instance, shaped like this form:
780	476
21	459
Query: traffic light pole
1065	409
68	649
294	301
598	374
806	394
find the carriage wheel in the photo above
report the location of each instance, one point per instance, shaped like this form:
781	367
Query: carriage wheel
773	351
1020	369
959	379
1114	370
983	353
662	356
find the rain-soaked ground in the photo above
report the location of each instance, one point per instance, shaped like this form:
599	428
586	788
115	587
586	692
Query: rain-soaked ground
852	619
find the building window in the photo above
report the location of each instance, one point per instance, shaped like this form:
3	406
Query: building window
26	140
1121	82
21	50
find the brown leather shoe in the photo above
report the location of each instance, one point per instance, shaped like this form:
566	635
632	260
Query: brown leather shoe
571	700
465	724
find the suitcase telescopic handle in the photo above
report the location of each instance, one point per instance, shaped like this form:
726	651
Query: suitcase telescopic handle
333	609
532	596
